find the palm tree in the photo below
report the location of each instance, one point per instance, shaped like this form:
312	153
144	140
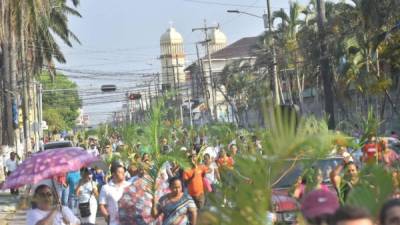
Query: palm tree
358	65
27	37
287	39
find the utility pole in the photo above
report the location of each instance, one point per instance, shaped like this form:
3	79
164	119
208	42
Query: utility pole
167	73
274	66
177	72
202	78
325	71
149	95
25	112
211	88
157	87
190	108
40	110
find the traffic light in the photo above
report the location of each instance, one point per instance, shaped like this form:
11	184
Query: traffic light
134	96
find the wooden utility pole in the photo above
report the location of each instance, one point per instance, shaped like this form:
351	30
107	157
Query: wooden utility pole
325	70
202	78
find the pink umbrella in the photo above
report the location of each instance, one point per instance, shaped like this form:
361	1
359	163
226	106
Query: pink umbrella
48	164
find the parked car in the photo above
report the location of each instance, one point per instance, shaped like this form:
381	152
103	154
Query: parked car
285	206
57	144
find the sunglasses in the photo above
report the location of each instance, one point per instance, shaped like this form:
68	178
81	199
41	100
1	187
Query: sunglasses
45	194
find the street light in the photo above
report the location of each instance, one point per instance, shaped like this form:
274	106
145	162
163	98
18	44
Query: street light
266	17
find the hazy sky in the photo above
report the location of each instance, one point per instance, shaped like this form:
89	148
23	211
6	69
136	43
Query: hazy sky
122	37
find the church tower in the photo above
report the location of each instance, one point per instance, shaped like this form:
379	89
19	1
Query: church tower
172	60
218	40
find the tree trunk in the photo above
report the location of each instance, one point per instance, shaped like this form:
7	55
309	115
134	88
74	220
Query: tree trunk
281	92
25	85
299	89
233	106
324	66
5	38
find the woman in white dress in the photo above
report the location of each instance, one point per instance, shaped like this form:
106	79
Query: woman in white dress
44	211
87	192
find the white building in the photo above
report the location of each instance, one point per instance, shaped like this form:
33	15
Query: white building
221	56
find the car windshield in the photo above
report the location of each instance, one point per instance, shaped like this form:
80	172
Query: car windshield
325	165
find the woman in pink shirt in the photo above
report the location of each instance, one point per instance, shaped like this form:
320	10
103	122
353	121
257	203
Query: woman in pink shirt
305	185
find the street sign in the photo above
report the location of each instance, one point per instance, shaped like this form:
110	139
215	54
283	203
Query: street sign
108	88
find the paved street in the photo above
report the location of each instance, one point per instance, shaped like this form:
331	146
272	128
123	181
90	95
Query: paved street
19	219
8	205
9	215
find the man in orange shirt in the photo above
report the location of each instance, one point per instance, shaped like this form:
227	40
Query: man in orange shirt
194	179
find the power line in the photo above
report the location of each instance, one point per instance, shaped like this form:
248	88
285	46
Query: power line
231	4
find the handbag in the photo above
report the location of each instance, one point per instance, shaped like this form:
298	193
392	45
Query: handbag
207	185
84	208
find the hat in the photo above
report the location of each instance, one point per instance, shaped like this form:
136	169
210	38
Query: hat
318	203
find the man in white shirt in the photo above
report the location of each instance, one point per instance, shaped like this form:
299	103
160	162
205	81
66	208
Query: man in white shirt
93	149
212	151
11	165
111	193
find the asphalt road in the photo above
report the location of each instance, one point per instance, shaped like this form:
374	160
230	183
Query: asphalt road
20	219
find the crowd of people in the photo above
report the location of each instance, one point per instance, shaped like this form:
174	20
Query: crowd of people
121	192
82	195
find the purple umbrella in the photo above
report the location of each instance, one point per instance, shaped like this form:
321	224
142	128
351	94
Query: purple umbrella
47	164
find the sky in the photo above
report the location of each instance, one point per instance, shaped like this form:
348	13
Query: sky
120	41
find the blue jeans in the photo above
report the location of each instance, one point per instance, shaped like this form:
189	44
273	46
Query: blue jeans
64	196
73	203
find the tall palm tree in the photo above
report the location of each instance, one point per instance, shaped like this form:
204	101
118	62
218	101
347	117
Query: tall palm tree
27	36
287	40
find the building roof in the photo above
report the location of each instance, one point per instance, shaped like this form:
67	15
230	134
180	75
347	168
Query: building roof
239	49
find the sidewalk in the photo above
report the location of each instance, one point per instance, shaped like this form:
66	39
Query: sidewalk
8	207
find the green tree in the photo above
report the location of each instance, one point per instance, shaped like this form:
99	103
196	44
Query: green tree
61	102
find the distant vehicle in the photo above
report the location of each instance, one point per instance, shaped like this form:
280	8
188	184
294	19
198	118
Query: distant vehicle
57	144
286	207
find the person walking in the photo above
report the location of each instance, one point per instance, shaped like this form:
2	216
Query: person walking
99	177
11	165
390	212
93	149
176	207
318	206
194	179
351	215
111	193
45	212
312	180
72	181
87	192
343	185
212	175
